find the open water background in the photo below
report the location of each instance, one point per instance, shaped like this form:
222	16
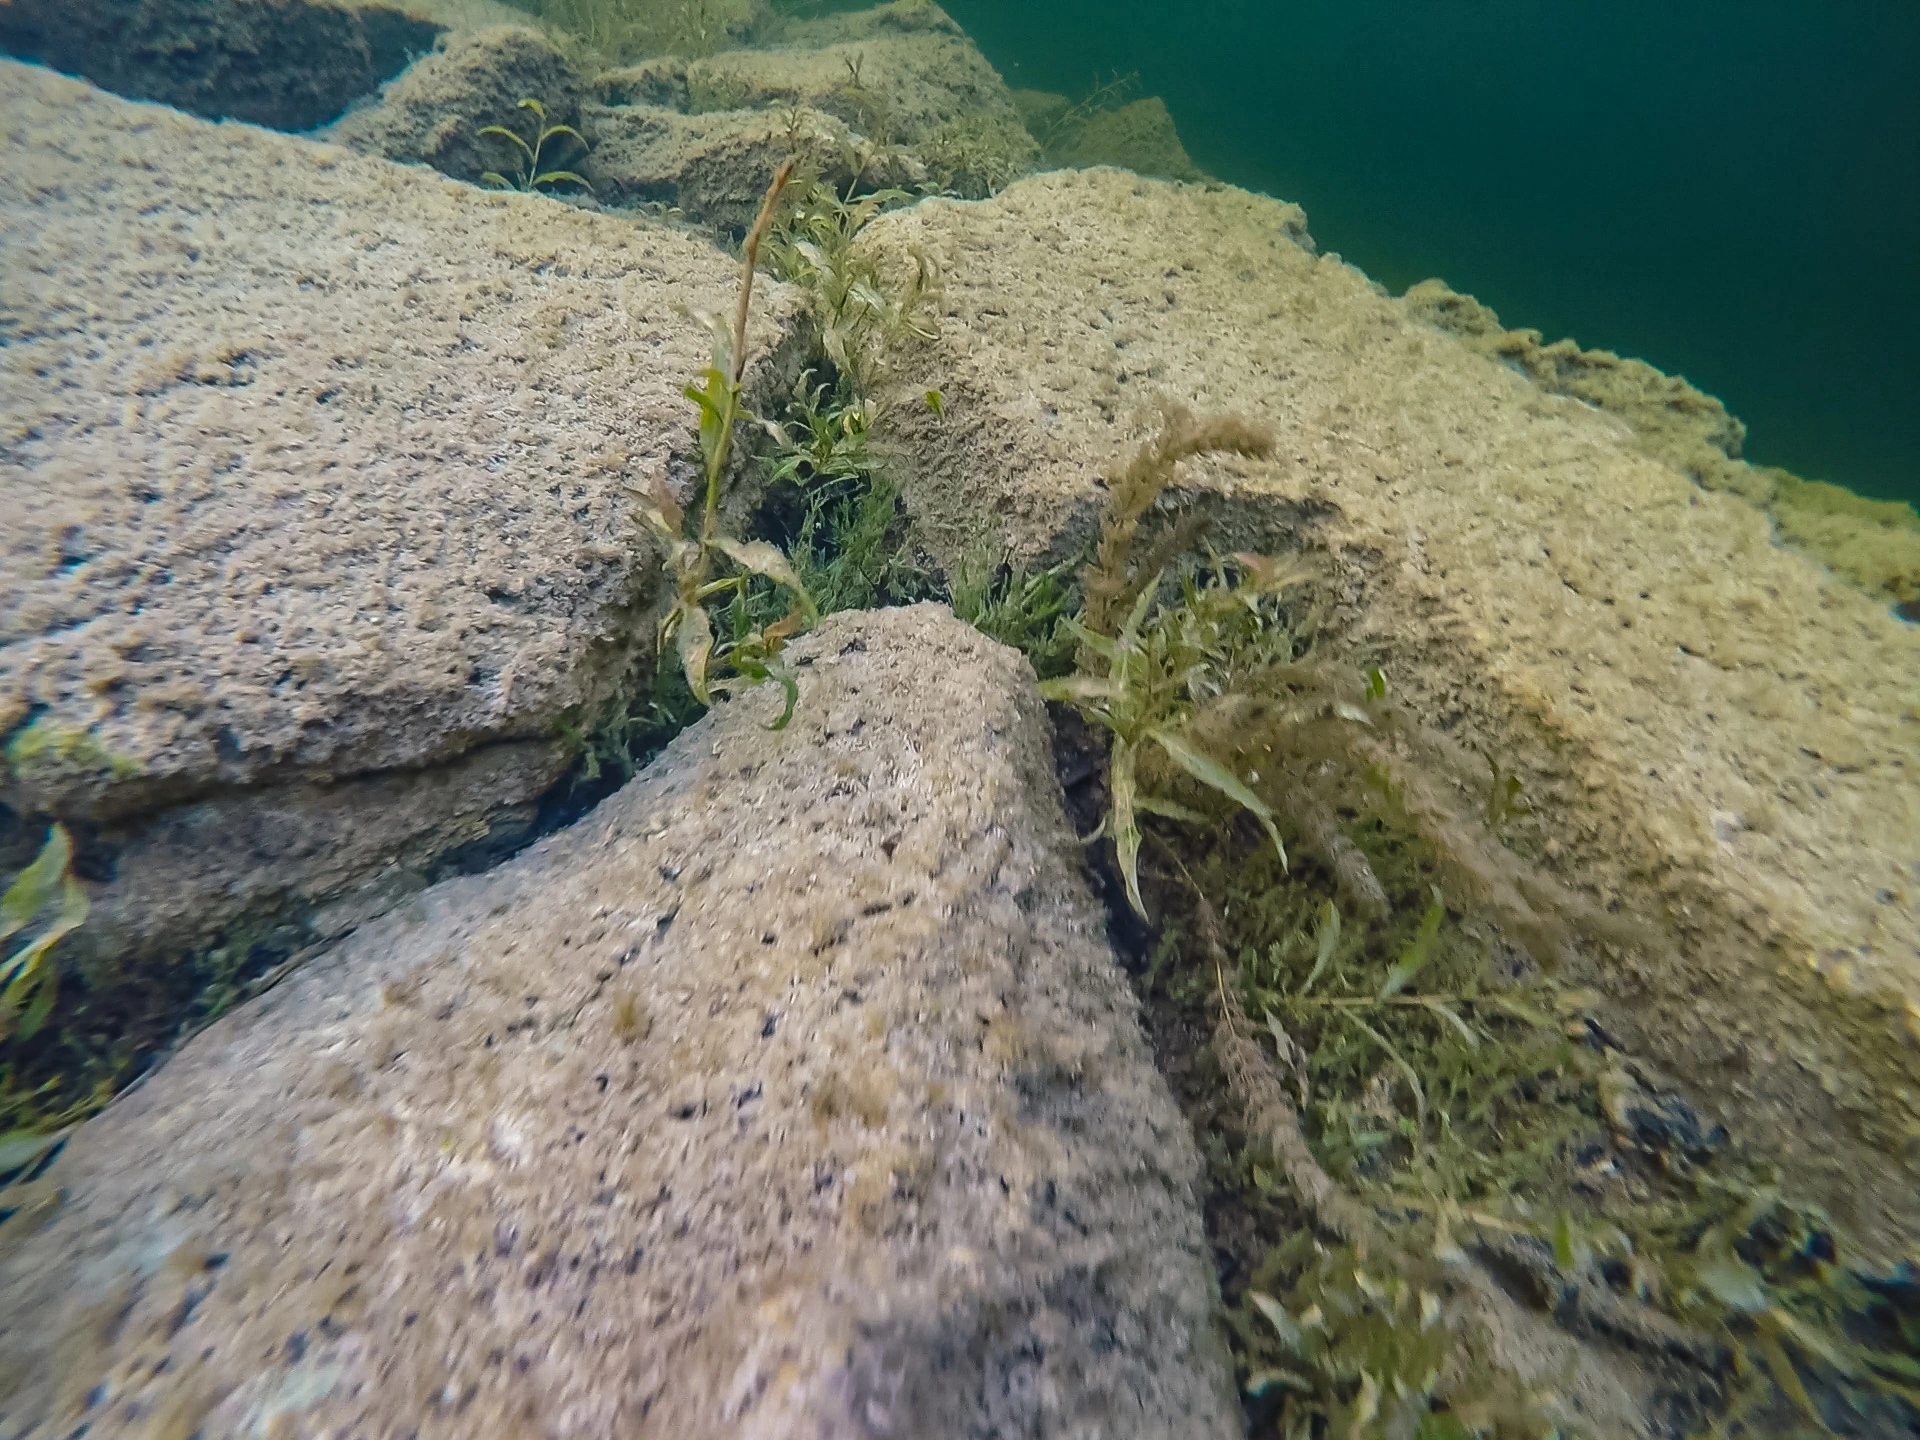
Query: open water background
1728	190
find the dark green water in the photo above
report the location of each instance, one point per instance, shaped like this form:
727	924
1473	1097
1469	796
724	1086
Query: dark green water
1728	190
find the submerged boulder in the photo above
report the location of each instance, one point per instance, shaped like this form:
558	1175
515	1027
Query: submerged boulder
794	1092
1718	736
895	96
290	64
319	530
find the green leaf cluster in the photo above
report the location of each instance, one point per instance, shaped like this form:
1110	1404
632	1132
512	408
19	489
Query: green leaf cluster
743	652
859	312
1356	1347
530	171
44	892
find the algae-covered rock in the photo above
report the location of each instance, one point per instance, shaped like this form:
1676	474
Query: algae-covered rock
291	64
434	112
1717	736
714	167
316	473
1137	135
794	1092
894	97
1874	543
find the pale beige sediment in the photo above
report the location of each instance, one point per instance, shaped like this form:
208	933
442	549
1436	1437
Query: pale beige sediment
793	1093
316	469
1722	739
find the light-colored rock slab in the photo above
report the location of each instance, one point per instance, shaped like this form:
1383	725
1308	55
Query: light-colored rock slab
793	1093
1721	739
315	470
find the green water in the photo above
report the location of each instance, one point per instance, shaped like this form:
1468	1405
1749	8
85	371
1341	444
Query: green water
1730	191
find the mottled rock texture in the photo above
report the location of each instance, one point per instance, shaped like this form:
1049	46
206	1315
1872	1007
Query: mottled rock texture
1721	740
793	1093
1874	543
897	96
291	64
434	112
316	475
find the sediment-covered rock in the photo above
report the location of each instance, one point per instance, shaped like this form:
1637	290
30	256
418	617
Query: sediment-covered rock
794	1092
897	96
1720	739
316	475
434	112
291	64
1874	543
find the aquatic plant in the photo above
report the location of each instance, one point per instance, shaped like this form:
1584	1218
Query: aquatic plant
858	313
45	891
1162	681
1018	608
528	174
746	653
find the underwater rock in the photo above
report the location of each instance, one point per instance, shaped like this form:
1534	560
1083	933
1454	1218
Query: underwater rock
1139	135
793	1092
1717	736
894	97
289	64
714	167
315	470
434	112
1874	543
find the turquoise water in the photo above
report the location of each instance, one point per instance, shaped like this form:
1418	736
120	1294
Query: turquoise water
1730	191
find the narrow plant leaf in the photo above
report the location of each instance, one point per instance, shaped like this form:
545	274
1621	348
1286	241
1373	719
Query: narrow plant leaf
764	559
555	177
1563	1251
1415	955
1126	829
1329	937
1101	645
1277	1316
696	644
496	180
1788	1378
1080	689
1209	771
789	683
507	134
33	887
42	1005
1400	1061
1452	1018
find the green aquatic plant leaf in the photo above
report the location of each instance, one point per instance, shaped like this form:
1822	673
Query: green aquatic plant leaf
30	984
1209	771
529	173
1414	958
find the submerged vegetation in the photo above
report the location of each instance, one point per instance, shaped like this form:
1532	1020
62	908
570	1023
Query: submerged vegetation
1421	1145
530	172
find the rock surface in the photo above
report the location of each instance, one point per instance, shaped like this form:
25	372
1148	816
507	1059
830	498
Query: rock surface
1874	543
896	96
792	1093
434	112
1720	739
315	470
291	64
